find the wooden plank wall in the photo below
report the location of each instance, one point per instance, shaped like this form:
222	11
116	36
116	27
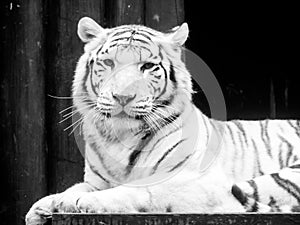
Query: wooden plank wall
39	50
22	101
65	162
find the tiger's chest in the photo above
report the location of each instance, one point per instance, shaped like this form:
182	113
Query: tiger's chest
132	158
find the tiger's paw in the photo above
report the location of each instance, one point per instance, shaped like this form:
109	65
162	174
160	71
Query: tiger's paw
45	207
67	203
41	211
99	203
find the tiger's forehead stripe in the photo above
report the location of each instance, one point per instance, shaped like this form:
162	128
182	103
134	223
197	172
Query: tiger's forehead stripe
136	36
136	27
130	38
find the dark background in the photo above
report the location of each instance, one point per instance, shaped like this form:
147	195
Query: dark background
252	49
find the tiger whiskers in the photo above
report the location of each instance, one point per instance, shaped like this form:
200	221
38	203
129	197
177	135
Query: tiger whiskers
152	124
79	122
76	122
162	116
167	107
66	109
65	97
78	110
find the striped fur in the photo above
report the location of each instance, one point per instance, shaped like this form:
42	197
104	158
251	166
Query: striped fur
133	93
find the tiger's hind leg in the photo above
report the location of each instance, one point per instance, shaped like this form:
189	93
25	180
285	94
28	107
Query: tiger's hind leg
277	192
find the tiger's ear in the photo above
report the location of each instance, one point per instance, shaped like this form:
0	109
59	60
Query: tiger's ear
180	34
88	29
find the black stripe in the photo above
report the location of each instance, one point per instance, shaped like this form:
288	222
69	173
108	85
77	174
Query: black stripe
235	149
287	185
157	68
290	149
166	82
165	102
242	130
155	90
239	194
96	150
172	74
256	158
99	50
254	207
91	78
84	87
87	72
289	155
231	135
273	204
129	38
280	160
121	32
265	136
160	139
180	163
160	52
113	45
166	154
170	119
133	157
93	168
255	190
243	151
144	35
100	64
297	166
296	128
140	40
119	39
242	140
148	32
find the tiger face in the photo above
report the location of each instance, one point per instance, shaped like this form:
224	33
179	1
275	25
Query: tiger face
132	72
127	79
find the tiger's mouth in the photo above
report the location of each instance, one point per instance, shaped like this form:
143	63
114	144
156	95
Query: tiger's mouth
122	114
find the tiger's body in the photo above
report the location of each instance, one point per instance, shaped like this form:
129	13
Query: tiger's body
149	149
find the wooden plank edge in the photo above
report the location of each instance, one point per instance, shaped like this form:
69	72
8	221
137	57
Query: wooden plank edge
177	218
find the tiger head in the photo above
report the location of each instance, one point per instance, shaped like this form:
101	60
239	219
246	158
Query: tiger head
131	72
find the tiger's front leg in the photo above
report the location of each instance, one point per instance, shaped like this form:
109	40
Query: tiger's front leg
182	193
65	201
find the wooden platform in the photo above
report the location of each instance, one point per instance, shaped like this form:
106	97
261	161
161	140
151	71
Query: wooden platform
176	219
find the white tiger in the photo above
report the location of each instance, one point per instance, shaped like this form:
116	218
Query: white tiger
149	149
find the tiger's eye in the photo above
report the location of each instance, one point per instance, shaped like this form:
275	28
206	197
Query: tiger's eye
108	62
147	66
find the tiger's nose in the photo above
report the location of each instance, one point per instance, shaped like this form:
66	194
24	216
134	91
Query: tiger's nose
123	99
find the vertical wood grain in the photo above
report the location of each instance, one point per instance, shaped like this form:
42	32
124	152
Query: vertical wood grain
164	15
120	12
65	164
22	145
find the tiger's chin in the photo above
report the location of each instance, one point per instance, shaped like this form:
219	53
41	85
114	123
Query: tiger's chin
123	122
